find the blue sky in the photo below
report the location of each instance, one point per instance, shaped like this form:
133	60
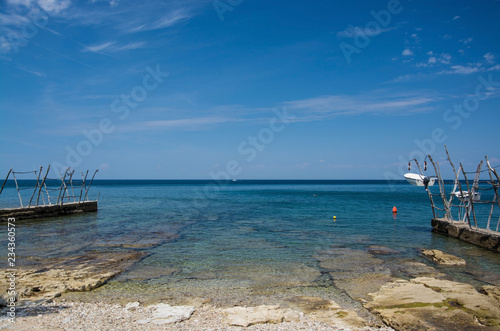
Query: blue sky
248	88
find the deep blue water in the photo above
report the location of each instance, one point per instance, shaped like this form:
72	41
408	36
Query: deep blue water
236	234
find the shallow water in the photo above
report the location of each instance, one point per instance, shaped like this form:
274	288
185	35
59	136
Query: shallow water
247	241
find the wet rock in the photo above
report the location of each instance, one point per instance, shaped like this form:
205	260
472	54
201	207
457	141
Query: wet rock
418	269
81	273
242	316
311	304
443	258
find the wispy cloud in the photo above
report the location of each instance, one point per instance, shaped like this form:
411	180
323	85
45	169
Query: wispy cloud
463	69
111	46
356	31
443	64
98	48
168	20
196	123
383	101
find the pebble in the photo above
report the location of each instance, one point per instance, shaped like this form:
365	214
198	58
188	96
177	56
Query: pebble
108	316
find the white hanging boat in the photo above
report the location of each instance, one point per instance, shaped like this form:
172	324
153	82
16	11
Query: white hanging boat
466	196
419	180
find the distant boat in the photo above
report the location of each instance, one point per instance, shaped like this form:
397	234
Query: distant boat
419	180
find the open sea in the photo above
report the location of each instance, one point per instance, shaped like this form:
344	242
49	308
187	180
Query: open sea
245	241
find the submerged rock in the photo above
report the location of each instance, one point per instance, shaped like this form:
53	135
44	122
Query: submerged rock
355	271
443	258
381	250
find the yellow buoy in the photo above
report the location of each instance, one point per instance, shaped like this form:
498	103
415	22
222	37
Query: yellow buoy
334	217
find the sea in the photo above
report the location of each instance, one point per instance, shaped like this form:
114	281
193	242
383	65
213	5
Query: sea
246	241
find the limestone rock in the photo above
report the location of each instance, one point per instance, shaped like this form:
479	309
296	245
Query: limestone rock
492	291
80	273
164	313
132	305
327	311
443	258
246	316
434	304
401	293
485	308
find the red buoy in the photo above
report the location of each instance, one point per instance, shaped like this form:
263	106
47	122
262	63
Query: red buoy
394	210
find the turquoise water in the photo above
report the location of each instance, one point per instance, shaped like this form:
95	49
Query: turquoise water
246	237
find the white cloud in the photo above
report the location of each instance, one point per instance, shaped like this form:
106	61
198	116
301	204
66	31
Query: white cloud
489	57
445	58
456	18
407	52
54	6
432	60
466	41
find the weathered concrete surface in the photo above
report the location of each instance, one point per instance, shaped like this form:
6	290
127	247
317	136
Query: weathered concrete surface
443	258
48	211
487	239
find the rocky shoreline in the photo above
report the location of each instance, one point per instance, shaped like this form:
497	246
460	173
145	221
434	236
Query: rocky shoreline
423	299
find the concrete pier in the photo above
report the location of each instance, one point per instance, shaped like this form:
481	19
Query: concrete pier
48	211
484	238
